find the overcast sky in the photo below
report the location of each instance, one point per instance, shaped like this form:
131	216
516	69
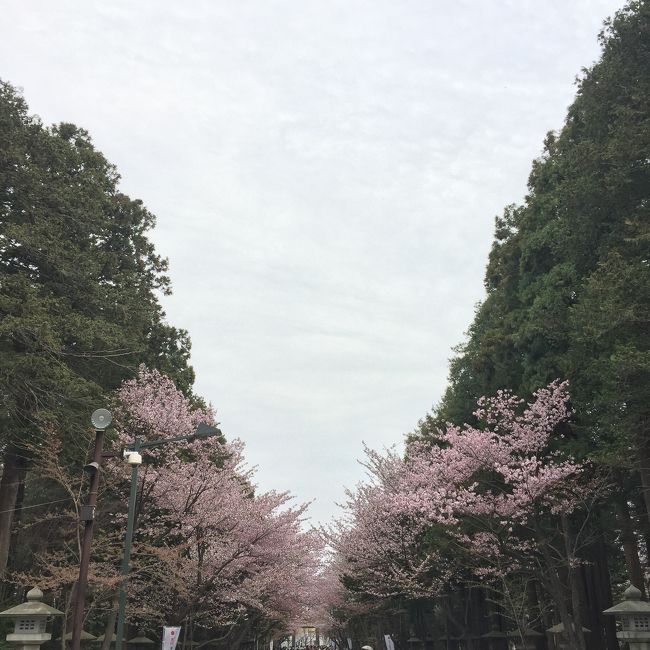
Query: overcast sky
325	175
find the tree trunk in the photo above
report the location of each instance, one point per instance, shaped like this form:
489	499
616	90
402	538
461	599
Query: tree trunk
603	591
535	608
239	636
644	473
109	628
577	600
67	614
630	545
13	474
545	620
640	523
551	580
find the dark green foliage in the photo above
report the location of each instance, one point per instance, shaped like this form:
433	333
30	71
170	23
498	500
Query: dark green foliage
568	278
79	295
568	296
78	300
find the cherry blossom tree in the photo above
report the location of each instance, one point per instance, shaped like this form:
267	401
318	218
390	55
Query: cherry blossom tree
209	547
494	500
382	549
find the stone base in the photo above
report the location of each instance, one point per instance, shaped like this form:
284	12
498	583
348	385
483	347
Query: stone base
636	640
22	641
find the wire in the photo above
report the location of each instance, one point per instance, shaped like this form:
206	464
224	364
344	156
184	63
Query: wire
36	505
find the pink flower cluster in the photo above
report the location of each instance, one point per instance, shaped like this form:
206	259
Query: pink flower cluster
478	489
238	551
505	471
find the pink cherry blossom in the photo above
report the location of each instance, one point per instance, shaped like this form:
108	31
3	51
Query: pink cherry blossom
478	490
207	541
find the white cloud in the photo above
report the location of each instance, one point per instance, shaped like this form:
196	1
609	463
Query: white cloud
325	176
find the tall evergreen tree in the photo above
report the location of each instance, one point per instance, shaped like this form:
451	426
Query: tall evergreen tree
568	275
568	290
79	286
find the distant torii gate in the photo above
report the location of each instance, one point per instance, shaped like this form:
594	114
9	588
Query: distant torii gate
307	636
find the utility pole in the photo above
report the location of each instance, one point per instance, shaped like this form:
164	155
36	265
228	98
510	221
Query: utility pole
101	418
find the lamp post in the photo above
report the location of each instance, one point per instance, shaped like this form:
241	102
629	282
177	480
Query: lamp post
100	419
134	458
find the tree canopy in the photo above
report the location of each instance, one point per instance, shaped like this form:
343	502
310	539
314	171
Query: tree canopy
567	298
79	290
568	276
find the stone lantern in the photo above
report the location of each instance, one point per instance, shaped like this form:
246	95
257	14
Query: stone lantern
100	639
140	642
557	632
29	621
414	643
495	639
529	639
447	641
465	640
85	636
634	617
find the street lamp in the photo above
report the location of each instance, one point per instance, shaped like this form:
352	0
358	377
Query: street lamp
134	458
101	418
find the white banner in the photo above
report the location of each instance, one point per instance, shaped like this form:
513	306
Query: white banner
389	642
349	643
170	637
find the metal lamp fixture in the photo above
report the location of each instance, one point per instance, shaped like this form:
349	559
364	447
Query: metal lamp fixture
101	418
204	431
133	457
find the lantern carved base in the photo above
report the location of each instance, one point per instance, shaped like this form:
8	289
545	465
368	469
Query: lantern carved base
636	640
25	642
